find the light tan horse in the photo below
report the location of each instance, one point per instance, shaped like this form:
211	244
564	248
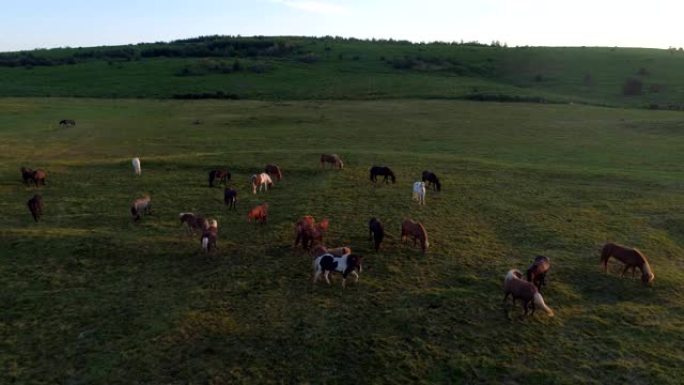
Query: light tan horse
141	206
632	258
526	291
416	231
261	181
333	159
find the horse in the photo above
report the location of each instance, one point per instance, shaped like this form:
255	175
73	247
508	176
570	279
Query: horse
419	192
67	122
526	291
39	177
272	169
209	235
194	222
377	232
35	205
222	175
386	172
632	258
261	181
26	174
415	230
338	251
230	198
136	166
346	264
141	206
536	273
432	180
309	232
258	213
333	159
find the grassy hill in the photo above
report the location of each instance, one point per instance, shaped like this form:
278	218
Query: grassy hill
297	68
89	297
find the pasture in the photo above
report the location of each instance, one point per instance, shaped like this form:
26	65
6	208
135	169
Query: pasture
89	297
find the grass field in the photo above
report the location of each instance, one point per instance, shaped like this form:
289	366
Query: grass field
88	297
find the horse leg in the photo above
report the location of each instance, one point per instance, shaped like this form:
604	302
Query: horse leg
506	297
624	271
325	275
633	271
356	276
317	276
532	306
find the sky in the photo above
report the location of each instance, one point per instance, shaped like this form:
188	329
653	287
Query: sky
29	24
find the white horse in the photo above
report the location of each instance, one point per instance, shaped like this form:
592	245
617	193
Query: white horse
136	166
419	192
262	180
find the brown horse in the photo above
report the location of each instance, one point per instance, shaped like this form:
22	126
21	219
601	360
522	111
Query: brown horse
209	236
36	176
520	289
272	169
194	222
35	205
536	273
632	258
415	230
333	159
223	176
309	232
141	206
258	214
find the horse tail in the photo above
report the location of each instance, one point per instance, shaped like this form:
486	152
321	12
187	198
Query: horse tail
134	211
439	185
211	179
512	274
205	243
539	301
425	235
647	271
605	254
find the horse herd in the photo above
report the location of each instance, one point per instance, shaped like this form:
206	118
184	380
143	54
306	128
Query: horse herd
310	234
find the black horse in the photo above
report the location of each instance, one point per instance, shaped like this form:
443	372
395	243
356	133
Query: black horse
67	122
230	198
35	205
383	171
222	175
431	179
377	232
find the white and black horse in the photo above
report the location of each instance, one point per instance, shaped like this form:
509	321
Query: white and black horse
329	263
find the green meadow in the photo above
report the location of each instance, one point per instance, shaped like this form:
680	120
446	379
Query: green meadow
89	297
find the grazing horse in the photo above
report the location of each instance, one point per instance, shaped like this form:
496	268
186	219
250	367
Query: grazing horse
536	273
141	206
223	176
419	192
194	222
230	198
136	166
258	214
526	291
377	232
632	258
432	180
26	174
261	181
329	263
308	231
333	159
209	235
35	205
272	169
386	172
39	177
338	251
67	122
416	231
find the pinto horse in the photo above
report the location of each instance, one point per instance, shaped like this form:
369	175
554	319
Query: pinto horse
419	192
632	258
193	222
223	176
333	159
416	231
230	198
272	169
345	264
432	180
384	171
526	291
377	232
35	206
536	273
208	240
258	214
141	206
261	181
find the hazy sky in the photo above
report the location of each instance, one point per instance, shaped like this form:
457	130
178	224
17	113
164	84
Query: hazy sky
28	24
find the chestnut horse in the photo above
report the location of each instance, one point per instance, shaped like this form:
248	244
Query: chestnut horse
536	273
377	232
520	289
384	171
272	169
230	198
432	180
333	159
141	206
194	222
261	181
308	231
416	231
35	205
258	214
223	176
632	258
